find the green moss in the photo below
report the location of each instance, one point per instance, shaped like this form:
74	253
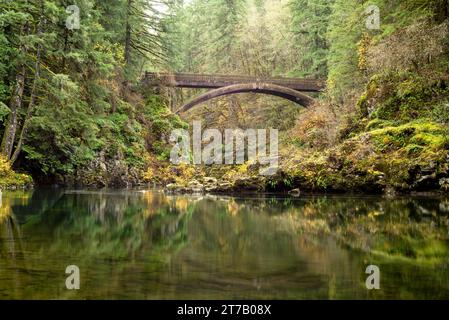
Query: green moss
362	105
425	139
163	121
403	97
413	149
430	135
440	113
378	124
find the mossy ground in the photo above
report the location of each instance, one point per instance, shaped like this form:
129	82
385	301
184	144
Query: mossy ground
10	179
410	157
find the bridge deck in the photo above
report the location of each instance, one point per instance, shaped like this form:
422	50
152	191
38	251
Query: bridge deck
186	80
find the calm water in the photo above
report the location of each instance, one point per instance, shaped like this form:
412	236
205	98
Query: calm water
146	245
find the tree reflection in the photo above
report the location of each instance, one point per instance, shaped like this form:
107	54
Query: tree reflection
144	244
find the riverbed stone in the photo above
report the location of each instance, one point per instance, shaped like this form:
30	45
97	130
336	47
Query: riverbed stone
174	188
194	186
295	192
444	184
250	183
210	184
210	180
224	186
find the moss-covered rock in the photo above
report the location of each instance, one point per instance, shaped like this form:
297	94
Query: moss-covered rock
404	97
385	158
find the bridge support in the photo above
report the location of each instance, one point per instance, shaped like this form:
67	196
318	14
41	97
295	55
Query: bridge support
265	88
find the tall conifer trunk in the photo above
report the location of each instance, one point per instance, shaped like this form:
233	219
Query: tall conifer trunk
15	105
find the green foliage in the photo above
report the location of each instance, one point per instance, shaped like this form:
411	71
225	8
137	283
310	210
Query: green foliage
440	112
78	104
420	135
200	32
162	124
74	108
347	35
4	111
403	97
310	22
345	31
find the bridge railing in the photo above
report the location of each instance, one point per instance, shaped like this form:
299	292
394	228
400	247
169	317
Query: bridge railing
184	79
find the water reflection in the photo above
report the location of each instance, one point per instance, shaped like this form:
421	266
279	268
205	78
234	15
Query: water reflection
146	245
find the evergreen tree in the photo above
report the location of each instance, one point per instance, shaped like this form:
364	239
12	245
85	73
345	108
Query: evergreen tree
310	22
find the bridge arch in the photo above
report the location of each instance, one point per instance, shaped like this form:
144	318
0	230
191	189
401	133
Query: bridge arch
265	88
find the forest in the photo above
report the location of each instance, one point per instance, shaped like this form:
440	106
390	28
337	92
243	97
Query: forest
74	111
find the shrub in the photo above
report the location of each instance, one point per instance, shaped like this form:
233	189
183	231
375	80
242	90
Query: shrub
9	178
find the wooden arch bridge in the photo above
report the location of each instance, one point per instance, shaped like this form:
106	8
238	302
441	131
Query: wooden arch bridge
220	85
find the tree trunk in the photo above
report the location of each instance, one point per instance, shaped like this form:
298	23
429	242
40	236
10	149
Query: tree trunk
446	9
128	34
15	105
66	47
441	11
33	96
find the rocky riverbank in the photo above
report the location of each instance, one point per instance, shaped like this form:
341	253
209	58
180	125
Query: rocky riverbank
326	176
382	159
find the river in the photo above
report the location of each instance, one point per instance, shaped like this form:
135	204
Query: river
143	244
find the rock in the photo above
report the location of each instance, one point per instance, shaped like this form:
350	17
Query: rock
295	192
173	188
194	184
428	169
444	184
196	190
210	188
210	180
104	171
425	177
390	192
195	187
444	206
224	186
365	138
334	162
249	183
210	184
102	166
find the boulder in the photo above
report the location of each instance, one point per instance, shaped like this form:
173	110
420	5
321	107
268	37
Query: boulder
174	188
195	187
224	186
210	184
444	184
210	180
255	183
295	192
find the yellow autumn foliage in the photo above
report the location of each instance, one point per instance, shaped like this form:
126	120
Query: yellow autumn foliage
9	178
